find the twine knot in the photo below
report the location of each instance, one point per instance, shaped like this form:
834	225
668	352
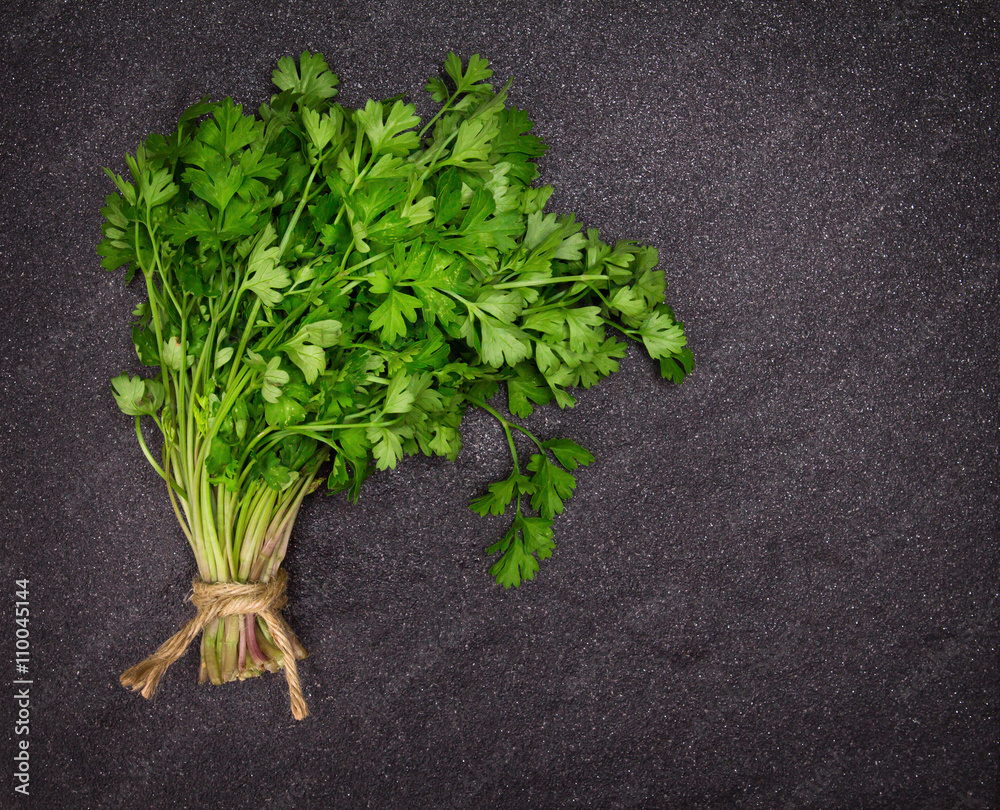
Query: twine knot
216	600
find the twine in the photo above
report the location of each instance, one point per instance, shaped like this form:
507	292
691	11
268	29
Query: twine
216	600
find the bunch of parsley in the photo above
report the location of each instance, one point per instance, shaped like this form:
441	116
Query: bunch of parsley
329	289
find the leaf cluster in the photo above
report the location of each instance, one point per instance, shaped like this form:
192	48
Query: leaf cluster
336	286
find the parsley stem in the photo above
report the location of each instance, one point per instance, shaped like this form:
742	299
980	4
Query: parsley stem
177	511
164	280
506	425
635	334
439	113
251	323
146	453
529	434
259	519
337	426
154	302
208	524
541	282
366	262
295	216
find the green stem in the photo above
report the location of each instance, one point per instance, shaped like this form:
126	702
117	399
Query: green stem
278	530
209	652
635	334
147	454
507	425
529	434
255	533
245	509
209	522
230	648
438	114
541	282
238	357
298	212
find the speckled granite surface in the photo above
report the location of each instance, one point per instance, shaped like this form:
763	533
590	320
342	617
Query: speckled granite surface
778	585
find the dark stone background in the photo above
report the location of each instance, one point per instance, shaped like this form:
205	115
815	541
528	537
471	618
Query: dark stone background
778	585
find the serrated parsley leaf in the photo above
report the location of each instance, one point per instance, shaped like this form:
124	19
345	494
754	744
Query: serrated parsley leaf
568	453
524	390
312	80
136	396
392	314
386	447
676	368
503	344
553	486
477	70
321	129
662	336
386	131
501	493
473	142
228	131
283	411
324	333
223	356
264	275
398	397
628	302
173	355
528	540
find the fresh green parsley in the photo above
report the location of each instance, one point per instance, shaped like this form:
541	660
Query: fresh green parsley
328	290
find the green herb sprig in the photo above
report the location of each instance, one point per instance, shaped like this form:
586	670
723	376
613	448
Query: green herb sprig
328	290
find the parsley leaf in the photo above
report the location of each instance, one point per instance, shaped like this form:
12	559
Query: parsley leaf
136	396
662	336
311	82
528	540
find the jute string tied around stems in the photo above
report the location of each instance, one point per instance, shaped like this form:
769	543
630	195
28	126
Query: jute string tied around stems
216	600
